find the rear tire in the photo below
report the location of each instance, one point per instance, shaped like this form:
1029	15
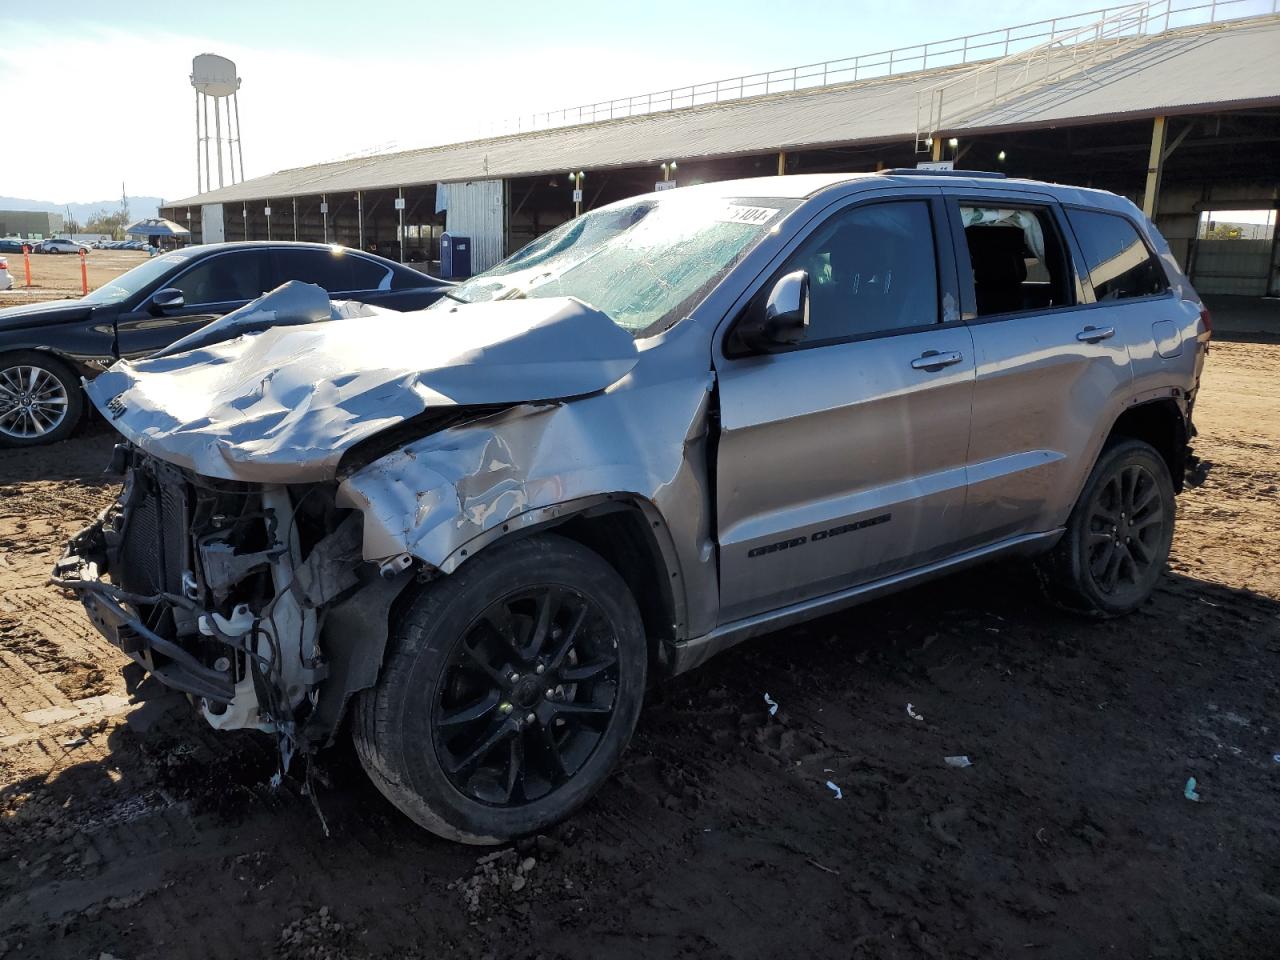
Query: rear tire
510	689
1118	536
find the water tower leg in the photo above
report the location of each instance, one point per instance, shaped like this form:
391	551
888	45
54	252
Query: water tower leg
217	126
199	188
235	98
360	216
207	167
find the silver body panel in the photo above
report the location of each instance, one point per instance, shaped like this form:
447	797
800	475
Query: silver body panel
900	472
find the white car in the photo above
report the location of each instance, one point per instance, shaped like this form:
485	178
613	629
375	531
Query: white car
6	281
61	245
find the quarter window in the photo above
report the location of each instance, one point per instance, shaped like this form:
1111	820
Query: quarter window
871	269
1017	259
1120	264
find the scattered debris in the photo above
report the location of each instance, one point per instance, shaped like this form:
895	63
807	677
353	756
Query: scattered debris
815	863
77	741
773	706
839	792
494	875
960	761
314	937
1276	757
1189	791
911	712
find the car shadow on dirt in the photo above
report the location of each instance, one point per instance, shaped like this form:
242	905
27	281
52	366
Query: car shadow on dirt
833	826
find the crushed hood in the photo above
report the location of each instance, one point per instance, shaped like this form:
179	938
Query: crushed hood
278	390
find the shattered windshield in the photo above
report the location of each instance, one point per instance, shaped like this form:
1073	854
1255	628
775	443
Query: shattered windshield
127	284
639	261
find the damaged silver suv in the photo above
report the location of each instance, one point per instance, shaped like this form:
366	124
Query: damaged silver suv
670	424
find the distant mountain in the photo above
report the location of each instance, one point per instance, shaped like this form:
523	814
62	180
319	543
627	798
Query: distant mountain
139	207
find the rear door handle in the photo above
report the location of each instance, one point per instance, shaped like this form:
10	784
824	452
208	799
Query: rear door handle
1094	334
935	360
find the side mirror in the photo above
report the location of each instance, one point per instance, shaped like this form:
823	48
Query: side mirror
167	299
785	316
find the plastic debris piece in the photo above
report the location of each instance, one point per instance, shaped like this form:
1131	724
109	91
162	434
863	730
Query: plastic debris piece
76	741
960	761
911	712
1189	791
839	792
277	778
1276	757
773	705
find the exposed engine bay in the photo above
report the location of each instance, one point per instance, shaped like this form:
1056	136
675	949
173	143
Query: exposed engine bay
222	589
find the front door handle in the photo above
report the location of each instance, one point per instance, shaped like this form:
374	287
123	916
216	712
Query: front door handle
1095	334
935	360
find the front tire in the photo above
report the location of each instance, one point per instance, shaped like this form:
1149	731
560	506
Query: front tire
1118	537
40	399
510	689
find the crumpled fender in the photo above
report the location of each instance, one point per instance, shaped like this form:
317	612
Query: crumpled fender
445	497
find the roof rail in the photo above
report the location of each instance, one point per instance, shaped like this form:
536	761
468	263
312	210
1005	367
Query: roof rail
917	172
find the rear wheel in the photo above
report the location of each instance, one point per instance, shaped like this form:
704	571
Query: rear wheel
1118	536
510	690
40	400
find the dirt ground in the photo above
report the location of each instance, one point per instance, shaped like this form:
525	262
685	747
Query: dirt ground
128	827
57	276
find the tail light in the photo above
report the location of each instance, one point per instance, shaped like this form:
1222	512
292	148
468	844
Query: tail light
1206	319
4	264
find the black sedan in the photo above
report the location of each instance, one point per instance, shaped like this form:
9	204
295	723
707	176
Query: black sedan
46	348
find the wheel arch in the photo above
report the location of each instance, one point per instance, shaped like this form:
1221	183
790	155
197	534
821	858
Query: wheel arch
1162	423
628	532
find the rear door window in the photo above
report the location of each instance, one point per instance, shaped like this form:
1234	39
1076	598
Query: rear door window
1017	257
1121	266
334	271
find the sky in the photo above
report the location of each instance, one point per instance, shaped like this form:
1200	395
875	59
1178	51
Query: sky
98	93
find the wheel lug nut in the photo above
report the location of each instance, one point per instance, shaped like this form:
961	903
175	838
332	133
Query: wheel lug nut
551	693
539	668
505	708
514	677
530	718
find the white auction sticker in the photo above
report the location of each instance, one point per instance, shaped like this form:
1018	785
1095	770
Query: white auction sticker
756	216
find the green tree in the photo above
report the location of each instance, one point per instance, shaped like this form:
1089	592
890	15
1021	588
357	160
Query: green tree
105	221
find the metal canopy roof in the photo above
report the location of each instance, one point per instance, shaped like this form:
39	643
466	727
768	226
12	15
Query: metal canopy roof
1231	64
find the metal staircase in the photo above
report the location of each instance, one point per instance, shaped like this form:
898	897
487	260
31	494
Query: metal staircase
947	104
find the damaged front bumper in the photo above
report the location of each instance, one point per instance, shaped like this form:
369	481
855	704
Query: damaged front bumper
251	599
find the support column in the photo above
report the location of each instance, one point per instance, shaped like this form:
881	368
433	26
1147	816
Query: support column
1155	169
360	217
937	148
782	163
295	219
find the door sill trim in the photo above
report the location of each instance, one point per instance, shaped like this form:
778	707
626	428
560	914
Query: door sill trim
698	650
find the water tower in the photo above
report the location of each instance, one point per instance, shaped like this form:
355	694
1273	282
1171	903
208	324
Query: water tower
214	78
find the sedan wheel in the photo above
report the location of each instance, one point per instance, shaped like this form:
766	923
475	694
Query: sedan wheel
40	401
33	402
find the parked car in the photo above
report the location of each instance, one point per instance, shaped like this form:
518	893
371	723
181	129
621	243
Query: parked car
6	281
670	424
60	245
11	245
156	303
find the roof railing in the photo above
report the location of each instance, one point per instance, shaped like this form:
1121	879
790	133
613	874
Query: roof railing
953	52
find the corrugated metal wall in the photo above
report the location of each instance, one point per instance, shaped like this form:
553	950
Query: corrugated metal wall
1232	266
475	211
